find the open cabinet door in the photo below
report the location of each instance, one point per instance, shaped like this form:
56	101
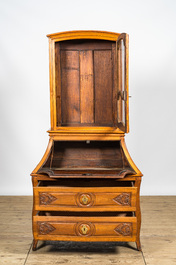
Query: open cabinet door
122	82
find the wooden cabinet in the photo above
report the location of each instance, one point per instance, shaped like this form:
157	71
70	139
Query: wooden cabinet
86	187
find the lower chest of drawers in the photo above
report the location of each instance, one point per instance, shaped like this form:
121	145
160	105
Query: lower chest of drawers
85	213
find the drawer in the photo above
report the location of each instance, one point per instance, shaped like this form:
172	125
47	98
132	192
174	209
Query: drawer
84	228
87	199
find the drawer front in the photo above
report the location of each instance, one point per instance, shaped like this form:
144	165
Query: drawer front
85	199
85	228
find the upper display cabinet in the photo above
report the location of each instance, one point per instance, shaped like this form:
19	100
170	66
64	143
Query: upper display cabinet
89	81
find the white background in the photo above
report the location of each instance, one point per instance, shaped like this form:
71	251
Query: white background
24	83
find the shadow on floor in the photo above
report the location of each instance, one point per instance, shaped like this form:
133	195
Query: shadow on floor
81	247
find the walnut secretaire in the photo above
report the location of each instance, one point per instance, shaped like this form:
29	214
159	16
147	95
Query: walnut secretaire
86	187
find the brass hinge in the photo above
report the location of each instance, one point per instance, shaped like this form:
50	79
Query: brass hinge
123	95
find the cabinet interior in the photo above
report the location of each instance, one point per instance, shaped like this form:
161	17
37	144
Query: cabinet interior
86	158
86	82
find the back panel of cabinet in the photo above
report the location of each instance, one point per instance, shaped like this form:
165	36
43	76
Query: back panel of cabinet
86	83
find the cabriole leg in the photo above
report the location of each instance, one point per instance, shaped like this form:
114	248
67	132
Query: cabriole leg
138	244
34	245
138	213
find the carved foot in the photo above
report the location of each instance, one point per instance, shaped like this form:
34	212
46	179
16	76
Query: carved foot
138	244
34	245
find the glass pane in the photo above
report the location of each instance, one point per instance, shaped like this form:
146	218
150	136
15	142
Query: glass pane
122	48
121	82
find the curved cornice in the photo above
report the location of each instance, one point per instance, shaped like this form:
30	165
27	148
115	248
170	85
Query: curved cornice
84	34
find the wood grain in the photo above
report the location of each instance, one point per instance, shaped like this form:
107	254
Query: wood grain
58	82
70	97
103	228
103	87
81	155
86	87
99	199
88	45
84	34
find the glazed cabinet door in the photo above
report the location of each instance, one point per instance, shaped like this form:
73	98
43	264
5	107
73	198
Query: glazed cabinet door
122	82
